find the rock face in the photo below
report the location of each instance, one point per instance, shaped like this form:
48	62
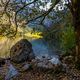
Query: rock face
21	51
42	63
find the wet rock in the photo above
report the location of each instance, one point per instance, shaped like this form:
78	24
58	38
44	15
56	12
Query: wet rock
42	63
53	64
22	51
55	61
47	57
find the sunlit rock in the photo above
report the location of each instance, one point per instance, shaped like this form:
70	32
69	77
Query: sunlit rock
43	63
55	61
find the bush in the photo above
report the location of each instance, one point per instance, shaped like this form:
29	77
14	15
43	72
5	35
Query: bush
67	39
51	35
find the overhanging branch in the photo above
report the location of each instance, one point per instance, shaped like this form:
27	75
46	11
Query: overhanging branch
18	12
42	15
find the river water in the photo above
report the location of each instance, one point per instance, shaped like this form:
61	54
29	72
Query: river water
41	48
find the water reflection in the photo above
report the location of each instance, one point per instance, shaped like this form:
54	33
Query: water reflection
41	48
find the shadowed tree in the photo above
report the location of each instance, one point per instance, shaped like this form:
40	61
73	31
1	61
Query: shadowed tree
75	10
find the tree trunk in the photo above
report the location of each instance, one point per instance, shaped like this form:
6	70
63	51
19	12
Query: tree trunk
77	54
76	20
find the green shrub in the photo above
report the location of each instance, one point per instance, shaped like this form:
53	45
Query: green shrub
51	35
67	39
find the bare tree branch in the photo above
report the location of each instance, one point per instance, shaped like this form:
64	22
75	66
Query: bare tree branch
25	6
42	15
18	12
6	5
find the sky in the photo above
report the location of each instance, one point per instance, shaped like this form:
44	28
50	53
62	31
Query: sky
46	7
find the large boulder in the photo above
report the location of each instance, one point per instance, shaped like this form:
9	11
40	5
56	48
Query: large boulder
22	51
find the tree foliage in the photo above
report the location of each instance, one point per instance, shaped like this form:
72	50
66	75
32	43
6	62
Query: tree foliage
22	12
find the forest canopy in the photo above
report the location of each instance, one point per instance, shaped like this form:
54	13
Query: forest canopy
15	13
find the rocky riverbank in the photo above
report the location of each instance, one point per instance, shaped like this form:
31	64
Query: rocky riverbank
24	65
65	71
